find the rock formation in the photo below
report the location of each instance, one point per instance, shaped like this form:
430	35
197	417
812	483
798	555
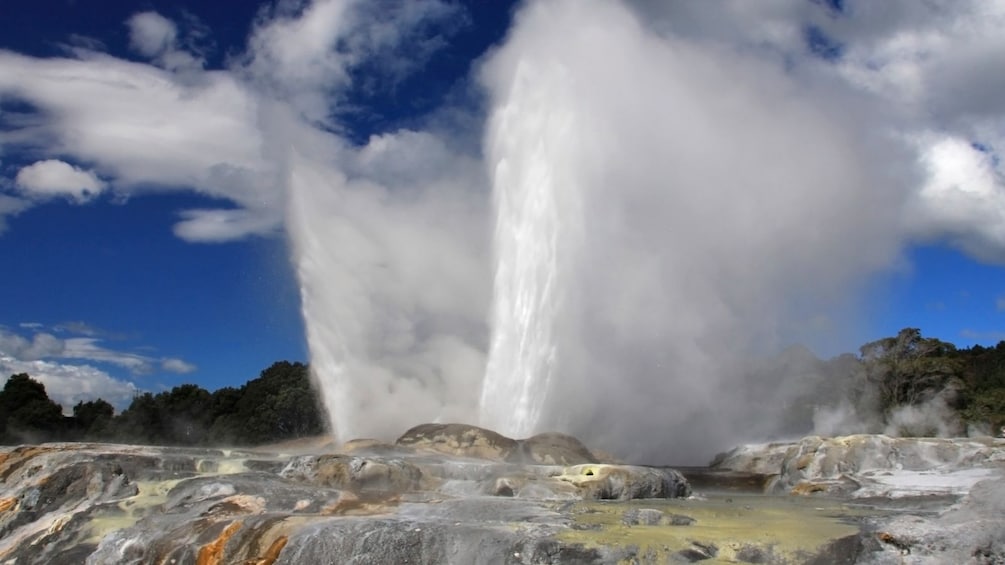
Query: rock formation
459	494
441	494
950	493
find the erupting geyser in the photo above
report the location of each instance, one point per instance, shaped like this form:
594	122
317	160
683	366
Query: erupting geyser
666	209
533	198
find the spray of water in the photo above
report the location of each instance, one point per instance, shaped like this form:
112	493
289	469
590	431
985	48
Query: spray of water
533	202
392	288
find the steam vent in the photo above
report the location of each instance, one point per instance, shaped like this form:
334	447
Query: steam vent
452	493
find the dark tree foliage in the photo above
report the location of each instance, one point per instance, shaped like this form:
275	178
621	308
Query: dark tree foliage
279	404
92	419
186	415
141	422
27	412
983	372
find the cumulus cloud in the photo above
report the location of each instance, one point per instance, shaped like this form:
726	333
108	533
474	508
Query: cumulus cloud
50	358
69	384
203	135
156	37
151	34
307	57
175	365
963	199
40	345
45	179
90	349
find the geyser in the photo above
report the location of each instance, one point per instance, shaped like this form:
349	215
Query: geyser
529	155
666	209
394	288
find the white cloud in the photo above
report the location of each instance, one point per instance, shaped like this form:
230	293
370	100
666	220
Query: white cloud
156	37
222	225
89	349
69	384
963	198
45	179
203	135
307	58
175	365
48	359
43	345
151	34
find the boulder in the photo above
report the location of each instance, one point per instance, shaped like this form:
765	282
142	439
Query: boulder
625	482
972	531
642	517
371	447
871	465
458	440
355	473
552	448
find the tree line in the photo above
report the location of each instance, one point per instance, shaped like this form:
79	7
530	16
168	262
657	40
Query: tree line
280	404
906	384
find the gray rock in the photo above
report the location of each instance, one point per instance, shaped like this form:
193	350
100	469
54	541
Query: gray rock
678	520
552	449
626	482
642	517
458	440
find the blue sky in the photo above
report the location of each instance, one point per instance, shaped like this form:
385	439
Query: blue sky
124	282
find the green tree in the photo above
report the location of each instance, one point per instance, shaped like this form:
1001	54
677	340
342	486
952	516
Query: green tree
984	395
909	369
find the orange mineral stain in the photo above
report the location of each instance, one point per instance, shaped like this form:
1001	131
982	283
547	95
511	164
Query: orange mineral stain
212	553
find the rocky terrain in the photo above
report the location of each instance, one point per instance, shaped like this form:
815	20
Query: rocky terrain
461	494
924	500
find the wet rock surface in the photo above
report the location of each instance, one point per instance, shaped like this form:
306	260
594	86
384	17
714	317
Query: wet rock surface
933	500
488	501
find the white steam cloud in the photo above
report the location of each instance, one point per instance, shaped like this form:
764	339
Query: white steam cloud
719	196
680	187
